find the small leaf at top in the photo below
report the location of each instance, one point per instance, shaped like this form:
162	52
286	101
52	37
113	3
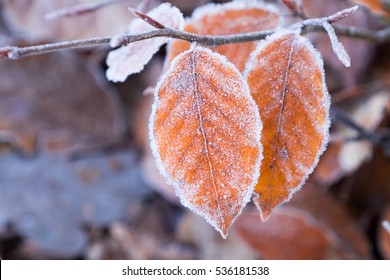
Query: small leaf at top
205	135
286	79
132	58
226	19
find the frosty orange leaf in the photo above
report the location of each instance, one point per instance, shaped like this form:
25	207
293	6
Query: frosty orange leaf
286	79
205	134
226	19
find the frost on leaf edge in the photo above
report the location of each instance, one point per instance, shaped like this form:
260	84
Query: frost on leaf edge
251	64
156	154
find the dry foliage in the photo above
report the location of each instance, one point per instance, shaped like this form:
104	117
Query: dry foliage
206	135
227	123
295	110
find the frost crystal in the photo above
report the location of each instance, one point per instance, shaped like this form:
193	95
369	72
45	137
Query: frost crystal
337	47
132	58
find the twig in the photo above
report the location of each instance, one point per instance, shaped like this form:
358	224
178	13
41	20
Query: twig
309	25
379	36
381	139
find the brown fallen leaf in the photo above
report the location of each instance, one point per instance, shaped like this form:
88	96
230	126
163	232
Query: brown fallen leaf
335	215
226	19
205	135
56	108
312	226
286	79
288	234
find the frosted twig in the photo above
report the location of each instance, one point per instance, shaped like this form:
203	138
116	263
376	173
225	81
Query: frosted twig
337	47
309	25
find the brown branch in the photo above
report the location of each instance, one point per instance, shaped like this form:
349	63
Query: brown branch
309	25
379	36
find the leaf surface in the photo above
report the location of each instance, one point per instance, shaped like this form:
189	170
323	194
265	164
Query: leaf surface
205	134
132	58
381	7
286	79
226	19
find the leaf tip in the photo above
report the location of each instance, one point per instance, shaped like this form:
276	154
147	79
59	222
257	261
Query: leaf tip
342	14
147	18
264	210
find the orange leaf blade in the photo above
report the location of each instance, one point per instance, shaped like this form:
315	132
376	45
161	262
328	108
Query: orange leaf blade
205	134
286	79
226	19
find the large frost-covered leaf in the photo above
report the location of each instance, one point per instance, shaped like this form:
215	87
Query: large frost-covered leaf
225	19
286	79
132	58
205	133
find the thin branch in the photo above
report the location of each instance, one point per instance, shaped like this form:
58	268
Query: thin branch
309	25
81	9
380	138
379	36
